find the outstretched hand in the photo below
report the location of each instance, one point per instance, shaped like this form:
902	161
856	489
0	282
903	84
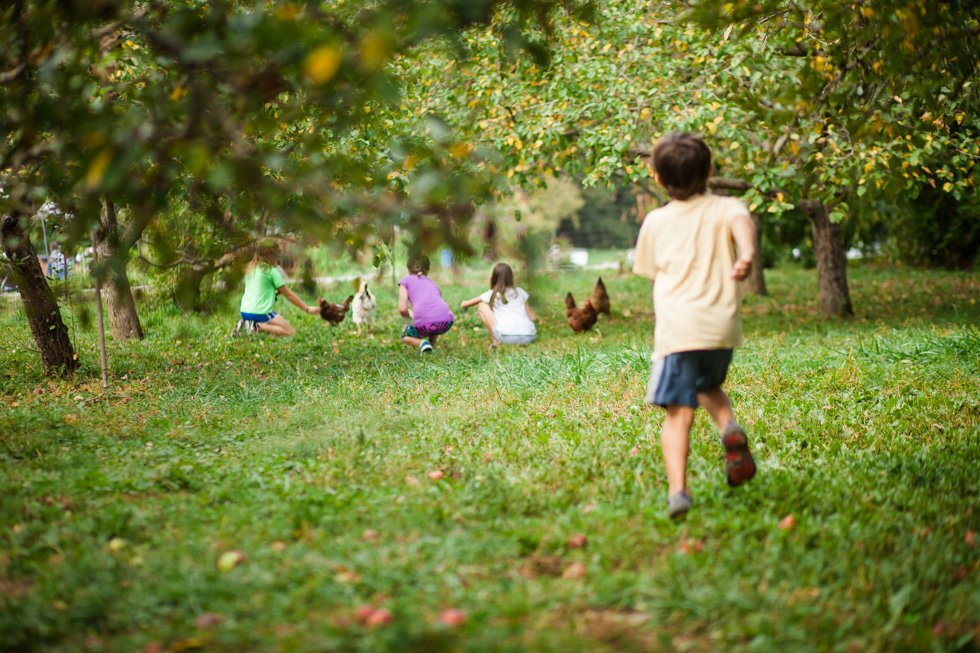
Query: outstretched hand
741	269
312	310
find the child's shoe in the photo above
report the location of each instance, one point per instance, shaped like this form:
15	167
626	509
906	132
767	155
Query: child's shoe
678	504
739	466
425	348
245	327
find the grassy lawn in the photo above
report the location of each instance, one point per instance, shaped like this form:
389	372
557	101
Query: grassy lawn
313	456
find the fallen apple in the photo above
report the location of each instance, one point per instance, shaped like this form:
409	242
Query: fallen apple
362	613
370	535
208	620
379	617
574	571
229	560
452	617
577	541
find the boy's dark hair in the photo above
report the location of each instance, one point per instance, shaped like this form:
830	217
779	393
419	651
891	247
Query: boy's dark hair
683	163
418	264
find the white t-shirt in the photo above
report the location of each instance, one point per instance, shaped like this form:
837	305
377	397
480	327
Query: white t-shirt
56	262
512	319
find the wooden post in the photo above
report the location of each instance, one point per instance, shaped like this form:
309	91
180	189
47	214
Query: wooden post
101	320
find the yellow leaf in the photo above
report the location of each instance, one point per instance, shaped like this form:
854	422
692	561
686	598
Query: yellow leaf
869	166
734	146
374	50
96	169
288	11
947	186
867	12
177	93
459	150
322	64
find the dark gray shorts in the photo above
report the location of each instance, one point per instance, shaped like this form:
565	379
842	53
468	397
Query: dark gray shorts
677	379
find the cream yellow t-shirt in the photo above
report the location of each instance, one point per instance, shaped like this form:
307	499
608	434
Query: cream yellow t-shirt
686	248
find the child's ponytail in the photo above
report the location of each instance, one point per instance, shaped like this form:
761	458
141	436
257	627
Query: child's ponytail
501	279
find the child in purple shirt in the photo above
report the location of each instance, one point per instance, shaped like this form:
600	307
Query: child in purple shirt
420	300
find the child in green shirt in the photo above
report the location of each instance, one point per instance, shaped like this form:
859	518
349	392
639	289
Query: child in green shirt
264	280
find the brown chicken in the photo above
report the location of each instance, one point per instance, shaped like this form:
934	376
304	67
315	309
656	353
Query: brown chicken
334	313
580	319
600	298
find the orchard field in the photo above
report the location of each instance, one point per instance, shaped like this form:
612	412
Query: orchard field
370	491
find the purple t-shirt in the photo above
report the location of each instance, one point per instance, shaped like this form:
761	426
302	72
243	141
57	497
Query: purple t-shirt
428	306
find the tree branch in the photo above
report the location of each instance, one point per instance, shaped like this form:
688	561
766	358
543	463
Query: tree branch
10	75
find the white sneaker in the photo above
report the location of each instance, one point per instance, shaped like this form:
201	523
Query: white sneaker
425	348
244	327
678	504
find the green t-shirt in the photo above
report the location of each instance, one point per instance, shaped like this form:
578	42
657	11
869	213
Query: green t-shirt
261	284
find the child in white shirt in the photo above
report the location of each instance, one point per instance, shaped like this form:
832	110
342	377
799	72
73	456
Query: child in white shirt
504	309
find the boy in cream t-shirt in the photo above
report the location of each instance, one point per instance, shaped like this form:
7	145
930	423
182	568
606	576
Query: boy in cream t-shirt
686	249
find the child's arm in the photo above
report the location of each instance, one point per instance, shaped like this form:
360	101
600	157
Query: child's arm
296	301
404	306
530	313
471	302
743	231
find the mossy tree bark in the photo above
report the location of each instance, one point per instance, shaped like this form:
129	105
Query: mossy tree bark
40	306
124	321
828	246
755	283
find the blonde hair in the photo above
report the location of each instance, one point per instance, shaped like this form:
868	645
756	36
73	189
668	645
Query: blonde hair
267	252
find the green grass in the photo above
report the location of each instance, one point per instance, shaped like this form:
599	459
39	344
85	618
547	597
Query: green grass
311	456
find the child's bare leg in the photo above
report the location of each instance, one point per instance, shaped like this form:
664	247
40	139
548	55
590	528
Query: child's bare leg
409	340
739	464
432	339
718	406
489	319
675	442
277	326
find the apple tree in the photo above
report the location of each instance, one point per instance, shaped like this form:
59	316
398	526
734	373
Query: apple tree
239	106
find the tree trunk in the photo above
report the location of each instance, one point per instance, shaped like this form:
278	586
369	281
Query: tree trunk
124	322
187	294
40	305
755	283
828	246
